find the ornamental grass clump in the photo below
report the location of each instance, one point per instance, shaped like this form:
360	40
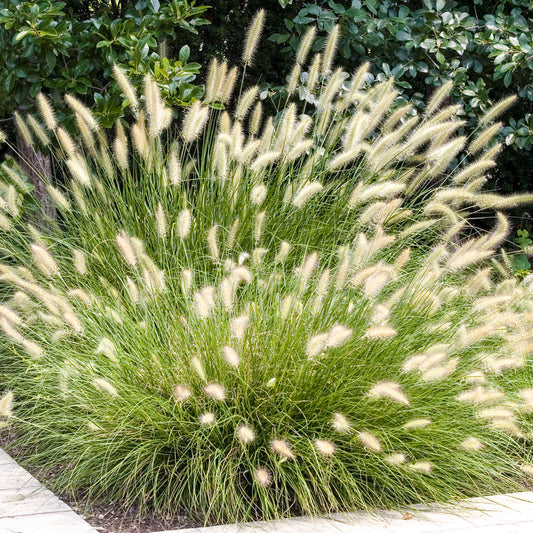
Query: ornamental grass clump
250	317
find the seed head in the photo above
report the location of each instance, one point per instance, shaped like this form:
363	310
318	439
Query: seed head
422	466
259	223
47	112
215	391
84	112
10	315
252	37
282	448
245	102
207	419
438	373
340	423
225	89
198	367
32	348
10	331
294	78
369	441
105	386
258	194
6	405
125	246
389	390
496	412
184	223
107	348
238	326
507	426
440	94
376	282
338	335
212	243
330	49
284	249
323	282
44	260
263	477
472	444
325	447
255	119
138	133
226	293
204	301
414	362
194	122
316	344
380	315
38	130
314	72
181	392
497	109
22	301
380	332
79	171
306	193
396	458
245	434
417	423
23	130
305	45
527	396
231	356
264	160
214	76
59	198
73	321
79	262
161	220
127	88
5	222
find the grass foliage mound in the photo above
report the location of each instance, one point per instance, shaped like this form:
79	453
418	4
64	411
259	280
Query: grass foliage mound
248	316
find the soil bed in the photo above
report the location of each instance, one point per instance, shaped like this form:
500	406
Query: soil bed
113	518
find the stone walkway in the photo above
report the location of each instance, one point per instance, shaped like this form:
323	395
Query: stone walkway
27	507
506	513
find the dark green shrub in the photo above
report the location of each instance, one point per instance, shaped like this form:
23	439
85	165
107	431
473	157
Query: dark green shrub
59	47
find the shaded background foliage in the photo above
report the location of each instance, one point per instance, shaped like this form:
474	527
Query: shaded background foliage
485	47
59	47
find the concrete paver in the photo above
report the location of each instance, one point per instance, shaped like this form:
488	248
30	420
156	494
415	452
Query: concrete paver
506	513
27	507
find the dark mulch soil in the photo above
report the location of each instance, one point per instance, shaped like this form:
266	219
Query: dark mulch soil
113	518
104	517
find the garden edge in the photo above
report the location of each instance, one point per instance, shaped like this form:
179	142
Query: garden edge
26	506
